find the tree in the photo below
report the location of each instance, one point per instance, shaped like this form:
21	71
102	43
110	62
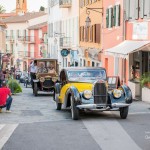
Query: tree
2	9
42	8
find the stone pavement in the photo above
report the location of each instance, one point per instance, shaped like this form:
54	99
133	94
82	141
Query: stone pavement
26	108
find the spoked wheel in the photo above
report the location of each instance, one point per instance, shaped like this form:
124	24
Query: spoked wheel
35	89
124	112
74	110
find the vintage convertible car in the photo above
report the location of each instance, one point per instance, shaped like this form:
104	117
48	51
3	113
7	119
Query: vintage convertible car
46	79
91	89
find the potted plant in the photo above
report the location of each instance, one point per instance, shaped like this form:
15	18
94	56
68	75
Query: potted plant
14	86
145	80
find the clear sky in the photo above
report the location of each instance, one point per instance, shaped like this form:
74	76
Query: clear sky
33	5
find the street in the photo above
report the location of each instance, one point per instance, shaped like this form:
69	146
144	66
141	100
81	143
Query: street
35	124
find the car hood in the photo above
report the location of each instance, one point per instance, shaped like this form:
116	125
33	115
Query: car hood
82	86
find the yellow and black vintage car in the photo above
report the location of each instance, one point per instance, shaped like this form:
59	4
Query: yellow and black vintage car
91	89
46	76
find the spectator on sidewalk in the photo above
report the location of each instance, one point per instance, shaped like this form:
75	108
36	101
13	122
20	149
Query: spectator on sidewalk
5	97
1	78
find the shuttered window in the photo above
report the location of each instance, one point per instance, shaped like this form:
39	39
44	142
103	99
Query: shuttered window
82	33
109	18
146	8
97	33
91	34
136	9
116	17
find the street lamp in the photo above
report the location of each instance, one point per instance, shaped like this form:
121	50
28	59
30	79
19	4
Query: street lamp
88	20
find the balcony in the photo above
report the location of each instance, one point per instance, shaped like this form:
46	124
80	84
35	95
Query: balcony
10	39
26	39
65	42
65	3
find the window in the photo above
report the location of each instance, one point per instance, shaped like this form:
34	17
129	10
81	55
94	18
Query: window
113	16
97	33
136	9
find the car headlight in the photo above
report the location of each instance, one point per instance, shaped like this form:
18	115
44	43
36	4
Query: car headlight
117	93
54	79
87	94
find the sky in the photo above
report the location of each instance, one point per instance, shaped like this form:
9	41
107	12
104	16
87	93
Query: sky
33	5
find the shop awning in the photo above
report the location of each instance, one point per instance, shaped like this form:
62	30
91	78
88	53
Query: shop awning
126	47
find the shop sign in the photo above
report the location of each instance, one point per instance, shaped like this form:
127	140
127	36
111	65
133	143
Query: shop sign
140	31
64	52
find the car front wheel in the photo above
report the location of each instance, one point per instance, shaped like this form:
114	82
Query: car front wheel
124	112
74	110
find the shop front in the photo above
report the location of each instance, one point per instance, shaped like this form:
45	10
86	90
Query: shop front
138	55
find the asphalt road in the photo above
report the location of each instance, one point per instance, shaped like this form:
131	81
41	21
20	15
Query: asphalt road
35	124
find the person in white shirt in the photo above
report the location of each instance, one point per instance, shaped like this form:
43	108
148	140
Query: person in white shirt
33	71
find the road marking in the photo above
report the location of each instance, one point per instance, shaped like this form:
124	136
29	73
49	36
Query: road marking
6	131
109	134
139	113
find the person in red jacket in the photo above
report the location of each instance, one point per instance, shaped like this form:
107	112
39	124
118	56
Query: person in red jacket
5	97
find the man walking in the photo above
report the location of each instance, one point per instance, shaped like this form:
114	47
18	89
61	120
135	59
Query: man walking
33	71
5	97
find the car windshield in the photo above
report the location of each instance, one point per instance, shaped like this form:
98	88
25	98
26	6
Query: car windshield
86	75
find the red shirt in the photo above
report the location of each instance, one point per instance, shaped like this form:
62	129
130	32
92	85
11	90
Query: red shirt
4	92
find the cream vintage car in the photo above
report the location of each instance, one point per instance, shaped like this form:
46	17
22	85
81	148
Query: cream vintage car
46	79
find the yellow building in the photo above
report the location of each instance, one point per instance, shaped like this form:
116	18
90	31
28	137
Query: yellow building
90	34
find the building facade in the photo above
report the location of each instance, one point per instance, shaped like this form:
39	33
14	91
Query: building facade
112	35
64	32
39	32
90	36
134	48
18	38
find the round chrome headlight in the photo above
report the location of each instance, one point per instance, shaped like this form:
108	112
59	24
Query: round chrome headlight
117	93
87	94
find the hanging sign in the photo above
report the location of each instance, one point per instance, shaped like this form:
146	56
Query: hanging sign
64	52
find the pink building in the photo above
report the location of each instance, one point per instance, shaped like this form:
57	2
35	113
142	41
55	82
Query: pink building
129	43
38	48
112	35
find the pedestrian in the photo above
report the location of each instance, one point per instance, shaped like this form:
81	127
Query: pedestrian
5	97
33	71
1	78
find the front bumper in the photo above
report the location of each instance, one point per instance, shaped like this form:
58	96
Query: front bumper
101	106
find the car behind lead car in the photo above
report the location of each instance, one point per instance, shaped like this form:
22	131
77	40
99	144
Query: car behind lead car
88	89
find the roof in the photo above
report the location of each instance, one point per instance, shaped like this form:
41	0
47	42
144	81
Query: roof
23	18
3	24
5	15
38	26
127	47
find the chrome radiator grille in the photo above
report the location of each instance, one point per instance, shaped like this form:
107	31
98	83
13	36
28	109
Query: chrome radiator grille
100	93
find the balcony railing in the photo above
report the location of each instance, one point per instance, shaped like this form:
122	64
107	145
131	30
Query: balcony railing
65	42
65	3
26	39
10	38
